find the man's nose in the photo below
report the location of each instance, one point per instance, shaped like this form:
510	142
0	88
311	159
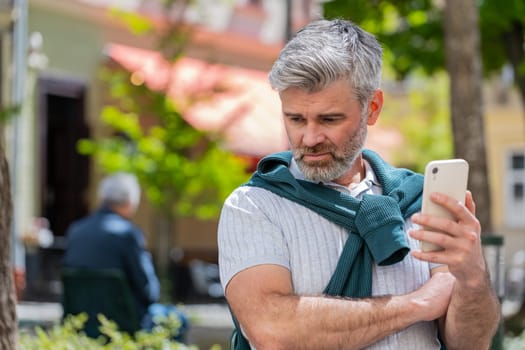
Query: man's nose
312	135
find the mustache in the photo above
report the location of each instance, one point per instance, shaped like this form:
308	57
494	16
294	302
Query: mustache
315	149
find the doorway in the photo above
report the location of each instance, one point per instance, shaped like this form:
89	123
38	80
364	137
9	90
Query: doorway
64	172
63	178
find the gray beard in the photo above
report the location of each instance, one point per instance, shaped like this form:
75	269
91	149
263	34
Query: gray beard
340	164
326	173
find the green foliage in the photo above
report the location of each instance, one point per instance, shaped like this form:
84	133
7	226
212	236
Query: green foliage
69	336
411	31
424	122
514	343
182	170
171	39
497	23
137	23
9	112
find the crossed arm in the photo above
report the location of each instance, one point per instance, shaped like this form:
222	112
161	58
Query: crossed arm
274	318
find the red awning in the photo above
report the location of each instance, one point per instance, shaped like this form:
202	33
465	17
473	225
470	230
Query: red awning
243	108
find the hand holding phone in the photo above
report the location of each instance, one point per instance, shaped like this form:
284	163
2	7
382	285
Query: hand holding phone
448	176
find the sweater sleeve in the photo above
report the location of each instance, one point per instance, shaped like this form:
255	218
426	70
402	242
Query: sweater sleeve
153	284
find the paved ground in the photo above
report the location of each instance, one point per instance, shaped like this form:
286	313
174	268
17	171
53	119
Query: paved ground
211	323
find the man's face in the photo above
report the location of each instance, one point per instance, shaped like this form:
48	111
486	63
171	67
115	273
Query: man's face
326	129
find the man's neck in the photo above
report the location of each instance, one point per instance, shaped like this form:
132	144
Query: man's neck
122	210
354	175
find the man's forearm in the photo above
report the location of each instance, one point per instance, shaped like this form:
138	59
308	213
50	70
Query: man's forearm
472	317
334	323
279	319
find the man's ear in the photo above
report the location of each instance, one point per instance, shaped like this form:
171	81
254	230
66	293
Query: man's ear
375	104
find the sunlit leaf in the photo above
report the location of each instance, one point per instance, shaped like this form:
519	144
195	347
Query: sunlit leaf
139	25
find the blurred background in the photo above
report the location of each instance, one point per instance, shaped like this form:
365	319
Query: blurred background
177	93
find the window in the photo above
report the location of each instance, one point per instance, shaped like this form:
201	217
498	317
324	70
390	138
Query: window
518	161
515	189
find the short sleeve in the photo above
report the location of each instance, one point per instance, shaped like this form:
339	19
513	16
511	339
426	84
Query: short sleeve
247	236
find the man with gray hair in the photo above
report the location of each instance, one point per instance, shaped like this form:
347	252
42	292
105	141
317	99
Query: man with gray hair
120	191
107	239
320	249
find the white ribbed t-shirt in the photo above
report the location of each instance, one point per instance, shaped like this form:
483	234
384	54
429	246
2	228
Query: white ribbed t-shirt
259	227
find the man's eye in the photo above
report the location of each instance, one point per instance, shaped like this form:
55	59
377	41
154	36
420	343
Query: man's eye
330	119
296	119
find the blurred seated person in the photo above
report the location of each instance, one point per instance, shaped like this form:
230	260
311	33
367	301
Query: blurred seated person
107	239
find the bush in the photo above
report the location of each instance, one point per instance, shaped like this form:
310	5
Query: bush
514	343
69	336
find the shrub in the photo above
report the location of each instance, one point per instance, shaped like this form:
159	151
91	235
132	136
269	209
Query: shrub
514	342
69	336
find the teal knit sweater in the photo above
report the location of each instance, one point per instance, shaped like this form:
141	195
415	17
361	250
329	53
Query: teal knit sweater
375	223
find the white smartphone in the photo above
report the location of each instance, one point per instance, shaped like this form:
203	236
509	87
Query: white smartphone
449	176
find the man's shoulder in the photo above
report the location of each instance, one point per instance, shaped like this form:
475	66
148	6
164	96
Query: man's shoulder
251	194
81	224
116	224
104	223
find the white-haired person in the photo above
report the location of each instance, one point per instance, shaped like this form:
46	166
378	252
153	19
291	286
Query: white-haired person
108	239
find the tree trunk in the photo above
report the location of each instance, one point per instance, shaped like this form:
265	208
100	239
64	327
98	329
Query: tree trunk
163	243
8	323
463	62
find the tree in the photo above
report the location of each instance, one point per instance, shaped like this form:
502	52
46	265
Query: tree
8	324
184	172
413	34
503	38
464	67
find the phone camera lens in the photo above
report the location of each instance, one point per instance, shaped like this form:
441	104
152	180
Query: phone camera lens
434	170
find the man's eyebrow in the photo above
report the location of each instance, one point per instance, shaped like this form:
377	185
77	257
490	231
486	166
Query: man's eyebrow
291	114
332	114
